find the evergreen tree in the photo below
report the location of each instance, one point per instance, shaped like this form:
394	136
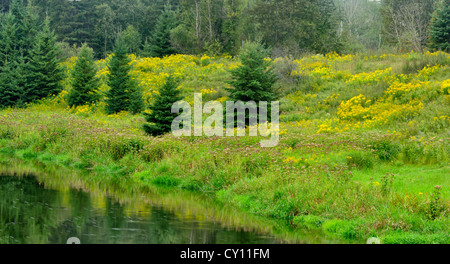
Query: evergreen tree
84	83
17	33
119	81
146	49
161	116
440	27
136	100
160	42
17	9
44	70
8	85
8	42
255	79
131	38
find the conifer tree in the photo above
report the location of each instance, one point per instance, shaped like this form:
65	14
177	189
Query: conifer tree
136	100
17	33
160	42
254	80
8	85
119	81
440	27
8	42
84	83
161	116
44	70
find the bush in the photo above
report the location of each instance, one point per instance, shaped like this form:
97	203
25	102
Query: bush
386	150
341	227
360	160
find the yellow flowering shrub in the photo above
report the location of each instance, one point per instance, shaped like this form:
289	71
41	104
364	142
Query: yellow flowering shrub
428	71
371	77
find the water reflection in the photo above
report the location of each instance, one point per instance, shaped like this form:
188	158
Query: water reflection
31	212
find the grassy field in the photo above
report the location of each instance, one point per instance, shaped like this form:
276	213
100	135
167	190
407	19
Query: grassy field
363	144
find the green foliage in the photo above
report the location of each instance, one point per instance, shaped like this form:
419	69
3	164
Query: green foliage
440	27
131	39
411	238
360	160
161	116
255	79
387	182
341	227
45	72
386	150
18	28
308	221
160	42
137	104
435	205
84	83
122	87
417	62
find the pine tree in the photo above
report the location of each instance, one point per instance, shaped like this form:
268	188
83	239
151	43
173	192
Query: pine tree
255	79
119	81
44	70
440	27
8	42
84	83
136	101
161	116
8	85
131	38
160	42
12	63
146	49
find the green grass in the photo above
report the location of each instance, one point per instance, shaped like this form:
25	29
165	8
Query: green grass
410	179
354	184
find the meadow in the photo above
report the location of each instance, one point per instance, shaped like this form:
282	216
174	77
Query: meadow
363	143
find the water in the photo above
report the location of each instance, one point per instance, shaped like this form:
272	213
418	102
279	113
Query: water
32	212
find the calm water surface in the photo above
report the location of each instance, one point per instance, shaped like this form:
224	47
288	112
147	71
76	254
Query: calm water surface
33	213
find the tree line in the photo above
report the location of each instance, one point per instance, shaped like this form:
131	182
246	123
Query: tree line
289	27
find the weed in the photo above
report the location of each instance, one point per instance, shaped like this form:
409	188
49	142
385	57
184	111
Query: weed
435	205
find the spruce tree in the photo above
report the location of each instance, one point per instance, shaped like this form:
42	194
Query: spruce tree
254	80
8	39
440	27
84	83
119	81
8	85
8	55
12	63
161	116
160	42
136	100
44	70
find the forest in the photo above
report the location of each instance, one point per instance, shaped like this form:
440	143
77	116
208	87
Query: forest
87	86
220	26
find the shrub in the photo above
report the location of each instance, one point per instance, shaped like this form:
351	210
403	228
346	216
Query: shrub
386	150
360	160
341	227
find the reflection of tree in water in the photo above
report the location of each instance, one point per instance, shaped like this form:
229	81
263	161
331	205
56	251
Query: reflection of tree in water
78	213
26	211
32	214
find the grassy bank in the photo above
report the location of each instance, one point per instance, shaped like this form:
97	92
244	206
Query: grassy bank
363	149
